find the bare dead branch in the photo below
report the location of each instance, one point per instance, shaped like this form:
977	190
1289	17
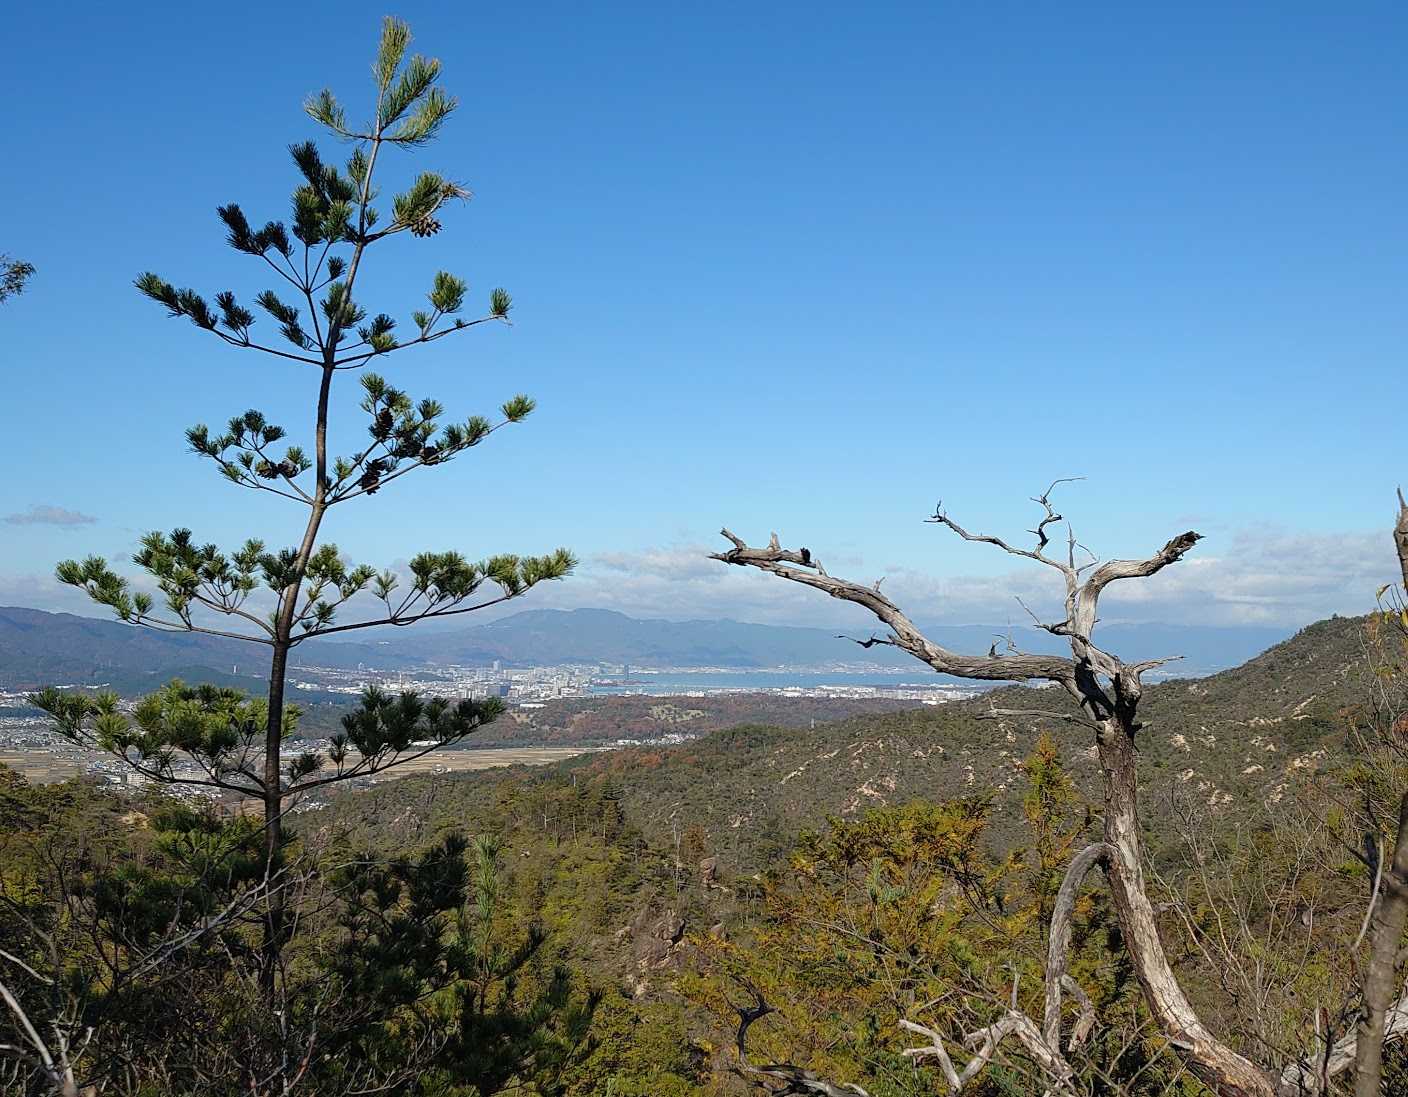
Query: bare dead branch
1373	896
1058	629
1085	1023
799	1080
984	1044
802	567
1108	693
1051	516
941	518
1305	1074
1150	664
1059	938
1088	597
11	958
1400	537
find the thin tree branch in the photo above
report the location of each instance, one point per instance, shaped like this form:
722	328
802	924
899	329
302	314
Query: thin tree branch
940	518
12	958
156	624
356	361
60	1075
245	345
402	621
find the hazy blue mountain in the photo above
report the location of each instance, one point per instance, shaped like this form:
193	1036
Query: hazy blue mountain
38	647
599	635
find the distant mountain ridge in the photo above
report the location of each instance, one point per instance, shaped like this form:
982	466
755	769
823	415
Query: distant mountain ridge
37	647
549	636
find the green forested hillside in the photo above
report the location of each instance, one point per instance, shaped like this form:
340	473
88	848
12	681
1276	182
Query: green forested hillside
1231	740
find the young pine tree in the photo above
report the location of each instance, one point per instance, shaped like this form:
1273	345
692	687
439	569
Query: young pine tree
314	262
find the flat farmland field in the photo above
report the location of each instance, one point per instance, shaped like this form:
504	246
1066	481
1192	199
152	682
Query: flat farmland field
463	761
42	767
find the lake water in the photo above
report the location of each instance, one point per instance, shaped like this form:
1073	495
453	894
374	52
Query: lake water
685	682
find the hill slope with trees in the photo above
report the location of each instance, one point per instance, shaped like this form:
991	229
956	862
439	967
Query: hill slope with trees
1237	738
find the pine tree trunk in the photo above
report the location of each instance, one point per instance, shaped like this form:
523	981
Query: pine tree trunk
275	925
273	822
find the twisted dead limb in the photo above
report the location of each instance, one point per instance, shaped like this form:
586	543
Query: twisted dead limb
1042	1044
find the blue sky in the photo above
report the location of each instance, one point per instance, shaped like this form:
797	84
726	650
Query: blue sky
797	267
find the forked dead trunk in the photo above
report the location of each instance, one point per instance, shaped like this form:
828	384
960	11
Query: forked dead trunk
1218	1066
1107	692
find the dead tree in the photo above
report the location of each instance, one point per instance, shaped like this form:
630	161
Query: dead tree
1106	691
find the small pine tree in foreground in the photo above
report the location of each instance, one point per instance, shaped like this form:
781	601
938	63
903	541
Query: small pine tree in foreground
281	597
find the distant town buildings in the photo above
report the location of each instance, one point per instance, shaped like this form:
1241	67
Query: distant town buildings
26	738
536	684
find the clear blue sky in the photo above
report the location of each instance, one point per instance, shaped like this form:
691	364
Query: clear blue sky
806	267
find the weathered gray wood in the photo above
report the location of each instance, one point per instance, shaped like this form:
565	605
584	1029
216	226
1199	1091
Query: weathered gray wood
1107	692
1059	938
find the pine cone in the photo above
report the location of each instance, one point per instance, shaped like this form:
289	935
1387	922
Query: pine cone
426	226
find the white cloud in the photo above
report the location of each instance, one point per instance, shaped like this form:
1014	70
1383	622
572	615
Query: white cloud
1255	577
1266	576
46	514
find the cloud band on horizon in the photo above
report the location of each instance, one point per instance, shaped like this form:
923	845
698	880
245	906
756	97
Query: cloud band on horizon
46	514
